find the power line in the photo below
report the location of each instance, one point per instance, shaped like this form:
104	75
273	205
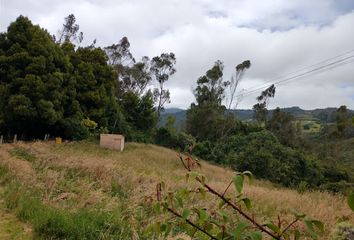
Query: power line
306	74
299	70
322	68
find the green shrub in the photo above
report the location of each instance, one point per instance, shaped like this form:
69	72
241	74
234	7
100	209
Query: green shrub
338	187
169	137
261	153
73	129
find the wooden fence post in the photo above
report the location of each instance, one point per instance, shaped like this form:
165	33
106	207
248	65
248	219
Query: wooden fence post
46	137
1	139
15	138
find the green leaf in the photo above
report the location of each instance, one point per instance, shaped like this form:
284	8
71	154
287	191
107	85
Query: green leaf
203	215
309	225
351	200
238	182
239	229
247	202
273	227
224	215
186	213
249	175
257	235
299	215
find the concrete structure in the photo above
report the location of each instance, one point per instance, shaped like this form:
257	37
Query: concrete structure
112	141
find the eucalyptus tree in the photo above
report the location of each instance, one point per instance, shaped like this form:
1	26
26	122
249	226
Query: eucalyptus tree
162	67
260	108
236	79
70	31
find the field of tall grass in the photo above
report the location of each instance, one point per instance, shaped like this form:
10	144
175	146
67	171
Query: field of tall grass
77	190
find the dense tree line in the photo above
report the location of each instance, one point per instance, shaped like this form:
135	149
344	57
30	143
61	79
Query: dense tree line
48	85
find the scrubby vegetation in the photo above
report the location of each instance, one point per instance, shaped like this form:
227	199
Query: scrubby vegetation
54	85
113	194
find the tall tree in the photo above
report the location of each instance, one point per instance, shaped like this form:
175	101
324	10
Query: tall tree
342	120
132	76
260	108
205	118
283	126
33	70
162	67
95	83
211	87
119	54
236	79
134	97
70	31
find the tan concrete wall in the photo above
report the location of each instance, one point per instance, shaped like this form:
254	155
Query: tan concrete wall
112	141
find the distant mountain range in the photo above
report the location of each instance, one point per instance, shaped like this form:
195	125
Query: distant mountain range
324	115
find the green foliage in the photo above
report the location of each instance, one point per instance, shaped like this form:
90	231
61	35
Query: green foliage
342	119
162	67
282	125
52	223
351	201
229	220
50	86
205	118
260	109
91	125
73	129
261	153
169	137
57	88
139	112
32	78
118	191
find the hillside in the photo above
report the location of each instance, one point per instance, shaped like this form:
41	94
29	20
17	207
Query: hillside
324	115
50	187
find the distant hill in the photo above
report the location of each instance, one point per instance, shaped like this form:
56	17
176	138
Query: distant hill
324	115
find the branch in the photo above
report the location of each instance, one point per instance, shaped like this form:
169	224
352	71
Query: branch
238	209
286	229
227	188
191	223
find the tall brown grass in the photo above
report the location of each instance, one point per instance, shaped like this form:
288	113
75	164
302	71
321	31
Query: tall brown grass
136	171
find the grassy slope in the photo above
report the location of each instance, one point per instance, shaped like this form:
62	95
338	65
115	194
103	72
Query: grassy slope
11	227
76	176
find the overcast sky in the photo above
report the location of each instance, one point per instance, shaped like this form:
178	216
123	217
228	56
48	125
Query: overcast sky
277	36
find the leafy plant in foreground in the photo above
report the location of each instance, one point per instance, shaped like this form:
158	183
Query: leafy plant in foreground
229	217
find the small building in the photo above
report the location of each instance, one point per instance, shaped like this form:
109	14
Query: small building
112	141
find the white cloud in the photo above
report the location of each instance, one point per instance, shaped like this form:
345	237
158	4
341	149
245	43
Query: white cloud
278	36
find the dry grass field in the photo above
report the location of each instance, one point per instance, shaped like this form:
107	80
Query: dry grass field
80	175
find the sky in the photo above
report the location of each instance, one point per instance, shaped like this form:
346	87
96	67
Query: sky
278	37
